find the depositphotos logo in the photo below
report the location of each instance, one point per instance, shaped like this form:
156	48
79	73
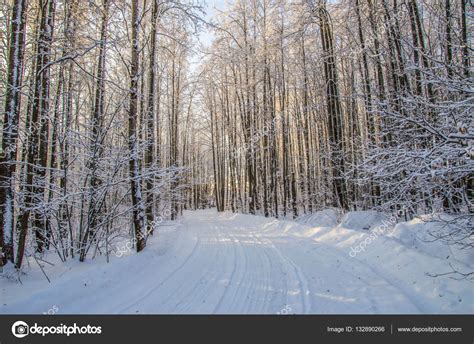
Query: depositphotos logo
21	329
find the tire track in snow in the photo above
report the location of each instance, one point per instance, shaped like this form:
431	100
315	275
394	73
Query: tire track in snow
146	295
302	281
272	307
199	289
249	288
241	273
231	277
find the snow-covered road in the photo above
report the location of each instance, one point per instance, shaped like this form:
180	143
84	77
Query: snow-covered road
222	264
231	263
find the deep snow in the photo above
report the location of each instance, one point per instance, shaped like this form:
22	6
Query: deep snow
211	262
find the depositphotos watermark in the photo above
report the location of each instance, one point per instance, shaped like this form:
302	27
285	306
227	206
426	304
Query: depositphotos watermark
122	249
386	227
285	310
21	329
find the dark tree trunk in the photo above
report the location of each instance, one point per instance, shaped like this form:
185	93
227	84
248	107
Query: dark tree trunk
137	203
334	109
10	128
150	137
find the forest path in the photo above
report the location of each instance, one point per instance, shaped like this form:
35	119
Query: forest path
221	263
230	263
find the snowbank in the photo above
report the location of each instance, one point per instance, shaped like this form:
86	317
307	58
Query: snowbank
407	255
322	218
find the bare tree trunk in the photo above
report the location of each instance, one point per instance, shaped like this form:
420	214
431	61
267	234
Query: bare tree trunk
36	163
334	110
65	207
150	137
10	128
46	37
464	40
449	48
96	194
137	204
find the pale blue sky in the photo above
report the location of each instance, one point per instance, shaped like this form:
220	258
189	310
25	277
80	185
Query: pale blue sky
210	7
205	36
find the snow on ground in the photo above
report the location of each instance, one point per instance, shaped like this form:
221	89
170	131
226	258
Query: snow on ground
231	263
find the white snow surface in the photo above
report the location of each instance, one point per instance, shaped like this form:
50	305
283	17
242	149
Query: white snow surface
211	262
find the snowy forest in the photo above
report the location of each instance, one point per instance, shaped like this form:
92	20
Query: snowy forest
121	116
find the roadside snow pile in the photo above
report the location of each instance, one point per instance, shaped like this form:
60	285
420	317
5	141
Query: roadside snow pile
322	218
365	220
91	287
424	236
407	255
